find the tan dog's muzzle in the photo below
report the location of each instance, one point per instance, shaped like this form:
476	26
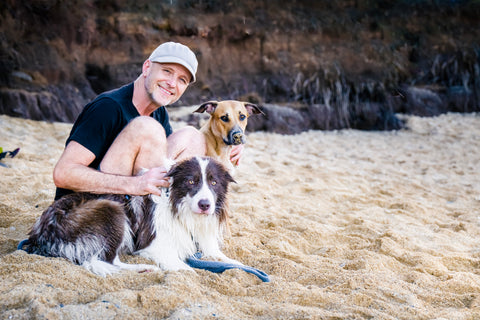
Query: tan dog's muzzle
236	136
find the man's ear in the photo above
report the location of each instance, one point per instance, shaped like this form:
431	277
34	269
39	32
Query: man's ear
209	106
146	65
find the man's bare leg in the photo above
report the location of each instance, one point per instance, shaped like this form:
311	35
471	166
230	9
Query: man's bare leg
142	144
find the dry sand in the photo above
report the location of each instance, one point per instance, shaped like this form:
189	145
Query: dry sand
348	224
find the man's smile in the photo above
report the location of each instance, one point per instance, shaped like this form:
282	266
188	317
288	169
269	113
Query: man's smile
165	91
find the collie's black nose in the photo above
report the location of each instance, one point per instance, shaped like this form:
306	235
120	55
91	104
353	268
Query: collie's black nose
204	204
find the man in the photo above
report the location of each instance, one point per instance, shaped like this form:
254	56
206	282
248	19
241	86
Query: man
126	130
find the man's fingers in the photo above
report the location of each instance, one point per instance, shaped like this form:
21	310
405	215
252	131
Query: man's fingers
155	191
165	183
236	154
235	160
153	180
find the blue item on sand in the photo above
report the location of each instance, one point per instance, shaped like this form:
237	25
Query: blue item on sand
10	154
219	266
22	244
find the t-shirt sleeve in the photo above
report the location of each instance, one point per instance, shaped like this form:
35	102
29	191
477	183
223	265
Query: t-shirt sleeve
97	126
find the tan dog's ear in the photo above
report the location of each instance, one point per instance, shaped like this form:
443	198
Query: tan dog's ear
209	106
252	108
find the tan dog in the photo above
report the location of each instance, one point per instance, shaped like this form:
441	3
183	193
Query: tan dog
226	126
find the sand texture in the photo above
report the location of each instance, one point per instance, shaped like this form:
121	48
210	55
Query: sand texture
348	224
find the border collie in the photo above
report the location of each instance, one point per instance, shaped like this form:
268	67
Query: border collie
93	230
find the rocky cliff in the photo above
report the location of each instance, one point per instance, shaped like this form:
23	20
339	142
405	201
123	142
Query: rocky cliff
310	64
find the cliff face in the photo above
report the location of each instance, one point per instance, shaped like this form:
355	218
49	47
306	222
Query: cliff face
341	64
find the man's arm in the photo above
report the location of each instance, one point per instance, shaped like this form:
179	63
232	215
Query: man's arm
72	172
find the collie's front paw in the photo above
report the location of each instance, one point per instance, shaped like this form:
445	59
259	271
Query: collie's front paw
148	268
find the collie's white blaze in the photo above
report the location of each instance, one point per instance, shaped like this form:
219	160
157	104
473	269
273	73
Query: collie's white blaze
204	194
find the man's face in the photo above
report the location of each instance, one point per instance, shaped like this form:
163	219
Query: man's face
166	82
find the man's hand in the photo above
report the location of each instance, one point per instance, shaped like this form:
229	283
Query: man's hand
236	154
152	180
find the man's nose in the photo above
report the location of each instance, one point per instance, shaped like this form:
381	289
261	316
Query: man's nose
172	82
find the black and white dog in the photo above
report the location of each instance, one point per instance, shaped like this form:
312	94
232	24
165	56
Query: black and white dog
92	230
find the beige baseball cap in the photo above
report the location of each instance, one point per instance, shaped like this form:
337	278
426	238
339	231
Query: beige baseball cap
173	52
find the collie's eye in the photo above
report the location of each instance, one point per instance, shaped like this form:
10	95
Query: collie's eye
191	182
224	118
242	117
214	182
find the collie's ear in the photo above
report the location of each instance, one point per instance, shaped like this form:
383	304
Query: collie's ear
209	106
228	177
252	108
172	171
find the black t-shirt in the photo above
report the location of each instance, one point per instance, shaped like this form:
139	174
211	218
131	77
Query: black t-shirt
101	121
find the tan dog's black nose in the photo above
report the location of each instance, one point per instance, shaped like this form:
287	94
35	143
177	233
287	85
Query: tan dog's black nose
238	138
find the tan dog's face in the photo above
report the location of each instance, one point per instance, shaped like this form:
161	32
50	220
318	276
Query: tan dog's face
229	119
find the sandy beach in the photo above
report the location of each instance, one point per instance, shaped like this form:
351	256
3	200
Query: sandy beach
348	224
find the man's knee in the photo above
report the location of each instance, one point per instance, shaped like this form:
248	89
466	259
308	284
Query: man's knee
192	134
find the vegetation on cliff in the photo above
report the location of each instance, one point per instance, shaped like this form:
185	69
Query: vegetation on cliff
310	64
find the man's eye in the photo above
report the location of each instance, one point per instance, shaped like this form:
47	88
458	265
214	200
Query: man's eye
224	118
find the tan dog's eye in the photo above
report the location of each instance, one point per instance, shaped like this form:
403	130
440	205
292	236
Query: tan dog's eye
242	117
224	118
